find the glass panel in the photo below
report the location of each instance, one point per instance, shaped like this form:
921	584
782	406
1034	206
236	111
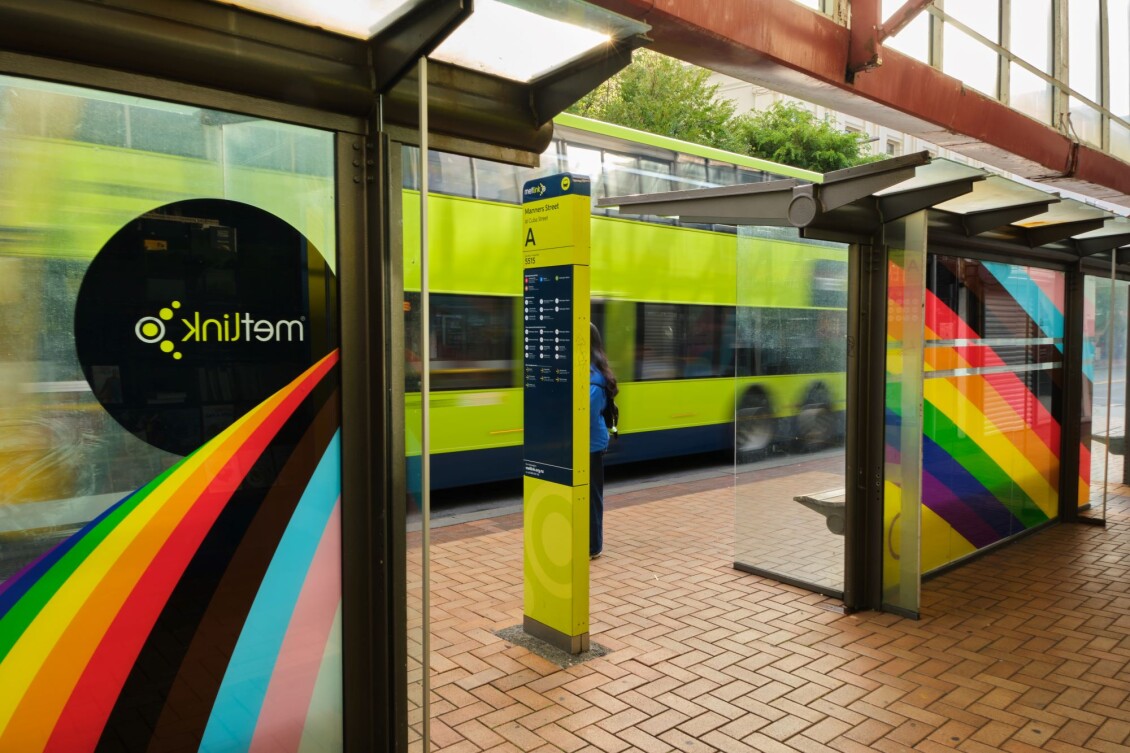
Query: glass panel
1087	122
128	304
902	490
1119	68
914	39
1103	427
1120	141
964	57
969	61
1084	68
790	359
1031	41
1029	93
990	410
405	327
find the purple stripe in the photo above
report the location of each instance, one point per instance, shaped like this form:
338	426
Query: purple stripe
954	511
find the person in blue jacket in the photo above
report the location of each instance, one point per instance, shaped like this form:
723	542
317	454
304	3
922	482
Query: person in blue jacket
602	383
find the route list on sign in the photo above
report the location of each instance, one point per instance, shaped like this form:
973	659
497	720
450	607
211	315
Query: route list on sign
547	310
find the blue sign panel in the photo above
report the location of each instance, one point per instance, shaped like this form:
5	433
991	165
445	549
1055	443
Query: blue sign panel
548	345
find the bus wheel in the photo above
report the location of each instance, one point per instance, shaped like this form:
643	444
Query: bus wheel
756	426
815	424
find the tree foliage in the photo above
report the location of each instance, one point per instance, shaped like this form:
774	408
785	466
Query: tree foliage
661	95
789	134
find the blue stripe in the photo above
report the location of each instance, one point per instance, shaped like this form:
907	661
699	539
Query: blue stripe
968	490
1031	298
231	725
24	582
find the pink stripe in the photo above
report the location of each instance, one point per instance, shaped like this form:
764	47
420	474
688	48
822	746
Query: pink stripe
283	716
1051	283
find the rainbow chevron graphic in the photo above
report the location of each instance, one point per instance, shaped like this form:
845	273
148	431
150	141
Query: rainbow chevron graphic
990	449
77	625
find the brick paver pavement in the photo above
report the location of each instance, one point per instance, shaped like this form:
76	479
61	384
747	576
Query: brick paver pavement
1025	649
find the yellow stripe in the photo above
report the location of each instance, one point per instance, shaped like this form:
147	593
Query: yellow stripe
34	647
968	417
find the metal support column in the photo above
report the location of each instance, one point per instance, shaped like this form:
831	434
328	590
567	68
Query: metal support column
866	401
1070	438
373	681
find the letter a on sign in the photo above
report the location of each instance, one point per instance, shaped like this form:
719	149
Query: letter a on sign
529	238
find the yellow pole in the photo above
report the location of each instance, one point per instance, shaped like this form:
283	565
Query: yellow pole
555	254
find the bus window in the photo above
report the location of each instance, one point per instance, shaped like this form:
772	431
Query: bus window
586	162
655	176
829	283
721	174
691	172
552	161
471	342
410	167
683	342
449	174
495	181
596	315
621	174
746	175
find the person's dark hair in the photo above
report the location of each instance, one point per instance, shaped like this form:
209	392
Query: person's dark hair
600	360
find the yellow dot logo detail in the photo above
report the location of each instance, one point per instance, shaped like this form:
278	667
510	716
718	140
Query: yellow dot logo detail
151	329
565	183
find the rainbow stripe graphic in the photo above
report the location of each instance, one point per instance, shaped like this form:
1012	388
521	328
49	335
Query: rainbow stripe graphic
207	602
990	449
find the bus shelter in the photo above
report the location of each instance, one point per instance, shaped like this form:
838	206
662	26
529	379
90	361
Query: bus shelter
985	328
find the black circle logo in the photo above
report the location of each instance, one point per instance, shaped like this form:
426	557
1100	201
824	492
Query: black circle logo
196	312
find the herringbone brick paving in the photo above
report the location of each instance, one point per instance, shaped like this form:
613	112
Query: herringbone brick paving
1025	649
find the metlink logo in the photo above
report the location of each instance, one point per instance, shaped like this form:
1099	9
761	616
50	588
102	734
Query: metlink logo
225	328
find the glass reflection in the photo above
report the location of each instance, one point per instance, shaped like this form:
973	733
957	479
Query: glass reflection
991	401
789	336
1102	453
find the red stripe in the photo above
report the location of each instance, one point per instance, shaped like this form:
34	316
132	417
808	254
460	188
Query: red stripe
940	318
83	718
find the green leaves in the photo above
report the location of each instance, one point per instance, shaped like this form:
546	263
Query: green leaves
787	132
661	95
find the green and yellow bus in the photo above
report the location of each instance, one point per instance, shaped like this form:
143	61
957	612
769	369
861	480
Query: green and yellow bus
708	358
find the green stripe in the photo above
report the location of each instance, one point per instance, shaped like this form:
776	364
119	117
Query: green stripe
24	611
980	465
666	142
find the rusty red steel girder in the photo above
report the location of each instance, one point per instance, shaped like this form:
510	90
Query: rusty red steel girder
798	51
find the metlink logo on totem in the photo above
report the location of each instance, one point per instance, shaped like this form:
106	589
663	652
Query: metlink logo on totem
226	328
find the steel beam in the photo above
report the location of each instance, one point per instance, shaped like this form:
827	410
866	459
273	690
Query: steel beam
901	18
796	50
864	45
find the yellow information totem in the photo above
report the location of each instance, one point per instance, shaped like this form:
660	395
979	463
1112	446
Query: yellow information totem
555	280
